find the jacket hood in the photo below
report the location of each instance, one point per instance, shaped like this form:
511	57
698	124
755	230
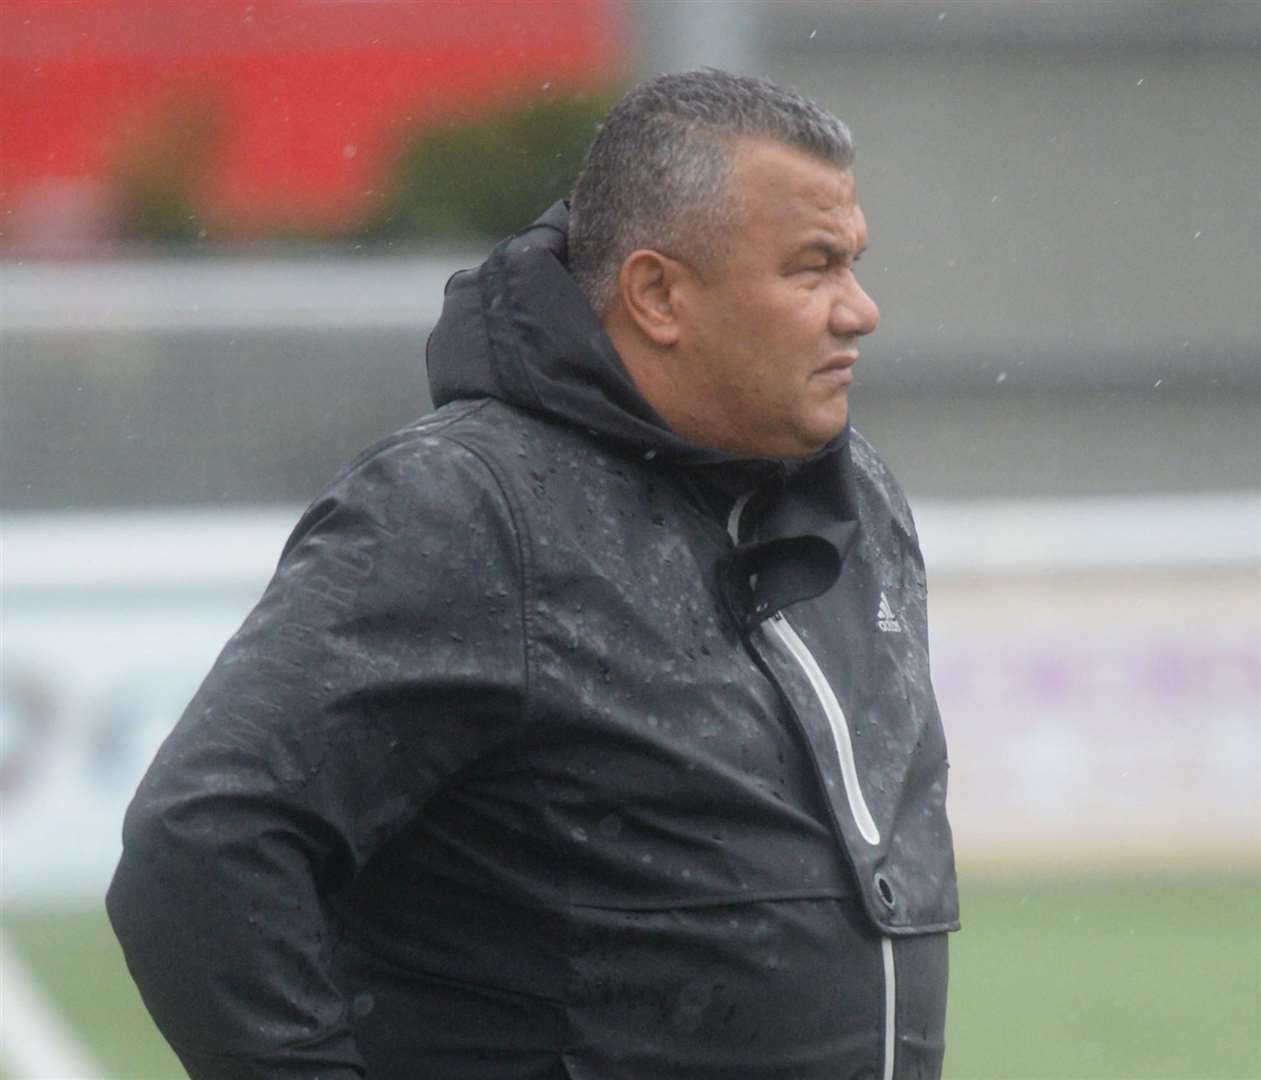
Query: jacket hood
518	329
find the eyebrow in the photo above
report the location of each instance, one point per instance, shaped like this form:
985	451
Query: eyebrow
833	252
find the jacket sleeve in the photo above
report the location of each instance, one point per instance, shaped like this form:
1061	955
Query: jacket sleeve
385	656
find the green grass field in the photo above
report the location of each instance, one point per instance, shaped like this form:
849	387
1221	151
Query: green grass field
1146	980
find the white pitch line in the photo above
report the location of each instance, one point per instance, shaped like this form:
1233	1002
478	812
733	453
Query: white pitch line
34	1040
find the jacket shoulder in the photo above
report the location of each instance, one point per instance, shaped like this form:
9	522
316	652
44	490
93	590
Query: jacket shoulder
515	446
416	477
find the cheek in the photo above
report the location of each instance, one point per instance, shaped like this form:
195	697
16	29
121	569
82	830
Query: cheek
794	329
762	343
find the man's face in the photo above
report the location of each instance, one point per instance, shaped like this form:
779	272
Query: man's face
769	331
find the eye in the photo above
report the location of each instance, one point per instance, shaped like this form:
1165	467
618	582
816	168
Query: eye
813	276
820	264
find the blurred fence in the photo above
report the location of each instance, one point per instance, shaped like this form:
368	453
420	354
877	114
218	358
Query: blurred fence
227	381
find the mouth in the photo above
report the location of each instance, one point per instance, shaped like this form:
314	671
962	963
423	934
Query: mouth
839	367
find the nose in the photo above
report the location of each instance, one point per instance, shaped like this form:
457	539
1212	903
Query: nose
854	312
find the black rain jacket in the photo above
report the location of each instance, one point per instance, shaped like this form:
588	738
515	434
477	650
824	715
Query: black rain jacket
558	748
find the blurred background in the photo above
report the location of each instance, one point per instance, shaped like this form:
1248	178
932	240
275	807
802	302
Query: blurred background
224	231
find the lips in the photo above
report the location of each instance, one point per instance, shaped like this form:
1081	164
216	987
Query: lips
838	365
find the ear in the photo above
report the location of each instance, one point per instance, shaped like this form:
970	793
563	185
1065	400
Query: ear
647	283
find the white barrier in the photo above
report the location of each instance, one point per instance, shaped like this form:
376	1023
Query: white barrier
1098	666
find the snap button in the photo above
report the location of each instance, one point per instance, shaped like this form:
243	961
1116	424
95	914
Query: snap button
885	890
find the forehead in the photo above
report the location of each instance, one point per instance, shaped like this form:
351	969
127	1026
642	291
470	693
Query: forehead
778	186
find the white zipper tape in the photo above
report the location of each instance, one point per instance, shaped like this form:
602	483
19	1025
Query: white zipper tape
836	720
841	738
890	1007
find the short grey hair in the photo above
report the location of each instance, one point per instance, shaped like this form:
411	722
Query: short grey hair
656	174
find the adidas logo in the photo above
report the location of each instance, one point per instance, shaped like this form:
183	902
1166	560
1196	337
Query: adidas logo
885	619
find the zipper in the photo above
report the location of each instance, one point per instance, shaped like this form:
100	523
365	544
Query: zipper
782	629
890	1006
841	738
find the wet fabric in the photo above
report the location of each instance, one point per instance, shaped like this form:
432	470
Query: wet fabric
504	777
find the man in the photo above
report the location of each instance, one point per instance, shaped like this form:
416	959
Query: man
585	730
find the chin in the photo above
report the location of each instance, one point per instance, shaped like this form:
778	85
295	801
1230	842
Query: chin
821	434
804	448
800	440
